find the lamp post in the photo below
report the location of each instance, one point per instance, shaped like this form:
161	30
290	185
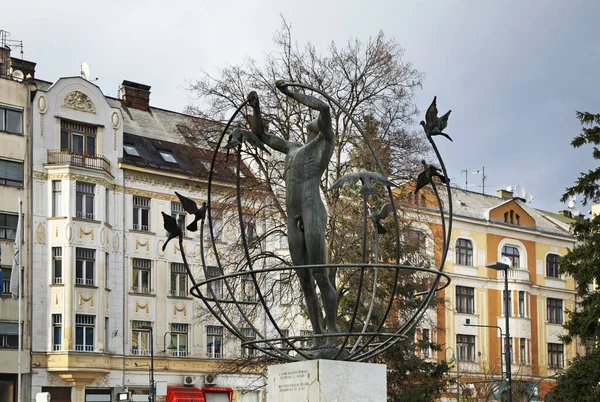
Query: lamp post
468	324
501	266
152	393
457	372
171	346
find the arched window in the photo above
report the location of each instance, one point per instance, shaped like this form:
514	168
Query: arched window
552	266
513	254
464	252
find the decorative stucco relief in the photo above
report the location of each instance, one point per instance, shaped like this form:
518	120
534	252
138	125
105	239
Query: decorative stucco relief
77	100
40	233
82	232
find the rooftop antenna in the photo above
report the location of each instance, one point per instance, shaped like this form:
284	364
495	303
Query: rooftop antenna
483	177
466	172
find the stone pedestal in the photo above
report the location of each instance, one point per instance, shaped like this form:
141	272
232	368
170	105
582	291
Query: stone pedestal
327	381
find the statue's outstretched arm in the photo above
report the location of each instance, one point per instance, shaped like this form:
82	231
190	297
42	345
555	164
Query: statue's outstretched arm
258	128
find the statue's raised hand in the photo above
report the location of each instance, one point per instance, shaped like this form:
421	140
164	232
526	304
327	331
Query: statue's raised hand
253	100
282	86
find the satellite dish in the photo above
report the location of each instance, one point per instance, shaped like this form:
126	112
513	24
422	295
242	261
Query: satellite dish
520	192
85	71
509	188
506	260
529	197
571	204
17	75
575	212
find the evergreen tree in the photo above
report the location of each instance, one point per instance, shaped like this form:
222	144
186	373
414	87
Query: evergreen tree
580	381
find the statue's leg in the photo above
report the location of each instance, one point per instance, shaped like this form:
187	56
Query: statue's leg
314	233
297	249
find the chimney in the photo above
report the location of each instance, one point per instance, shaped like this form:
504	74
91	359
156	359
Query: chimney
136	95
506	194
4	60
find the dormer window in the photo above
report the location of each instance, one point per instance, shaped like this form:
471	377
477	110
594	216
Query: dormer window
167	156
130	150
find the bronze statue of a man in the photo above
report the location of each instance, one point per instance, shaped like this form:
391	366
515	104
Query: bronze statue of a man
306	213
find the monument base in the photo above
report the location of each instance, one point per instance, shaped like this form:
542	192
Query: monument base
327	381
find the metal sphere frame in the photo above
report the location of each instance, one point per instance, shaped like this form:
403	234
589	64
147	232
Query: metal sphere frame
279	347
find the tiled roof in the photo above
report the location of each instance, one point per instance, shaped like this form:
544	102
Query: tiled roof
470	204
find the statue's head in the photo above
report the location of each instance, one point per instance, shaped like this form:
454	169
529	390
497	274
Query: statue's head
312	130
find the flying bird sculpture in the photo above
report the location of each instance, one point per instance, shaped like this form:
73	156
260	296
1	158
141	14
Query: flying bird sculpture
378	216
426	176
191	208
366	178
172	227
434	125
238	135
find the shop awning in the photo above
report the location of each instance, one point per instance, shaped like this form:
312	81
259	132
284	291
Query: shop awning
185	394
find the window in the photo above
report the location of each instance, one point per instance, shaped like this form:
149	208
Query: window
214	341
464	252
465	348
84	200
8	226
106	205
556	355
307	342
552	266
217	226
78	138
84	266
178	280
523	351
130	150
167	156
56	331
250	335
84	332
57	198
141	275
179	214
57	277
509	302
415	241
513	255
140	338
11	119
179	335
106	271
11	173
554	310
248	289
521	303
285	288
6	272
141	213
9	335
425	339
465	300
216	286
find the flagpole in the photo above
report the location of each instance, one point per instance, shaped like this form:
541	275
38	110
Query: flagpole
20	244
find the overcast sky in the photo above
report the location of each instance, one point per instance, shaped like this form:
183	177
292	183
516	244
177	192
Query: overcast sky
513	72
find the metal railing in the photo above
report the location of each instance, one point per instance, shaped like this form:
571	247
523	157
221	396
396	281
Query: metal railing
66	157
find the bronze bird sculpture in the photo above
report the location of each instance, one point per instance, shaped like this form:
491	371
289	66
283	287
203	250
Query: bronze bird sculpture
172	227
236	137
426	176
191	208
434	125
366	178
378	216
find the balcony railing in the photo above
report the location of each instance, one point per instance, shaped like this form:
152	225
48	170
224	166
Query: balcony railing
66	157
518	274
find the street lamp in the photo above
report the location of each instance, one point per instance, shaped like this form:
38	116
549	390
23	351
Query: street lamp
171	346
468	324
501	266
457	372
152	395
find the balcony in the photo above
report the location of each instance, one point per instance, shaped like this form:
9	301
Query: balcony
66	157
515	274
